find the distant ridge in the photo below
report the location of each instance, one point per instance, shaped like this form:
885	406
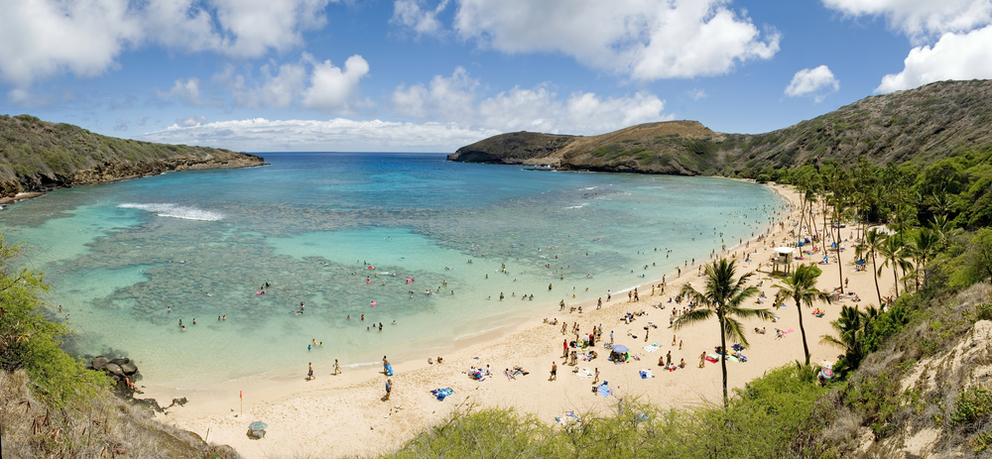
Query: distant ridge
38	156
923	124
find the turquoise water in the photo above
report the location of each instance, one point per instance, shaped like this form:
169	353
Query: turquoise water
128	260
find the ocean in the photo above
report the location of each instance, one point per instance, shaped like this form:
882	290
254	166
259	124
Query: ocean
423	246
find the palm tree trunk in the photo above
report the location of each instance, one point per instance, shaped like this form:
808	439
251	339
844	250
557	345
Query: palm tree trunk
723	358
802	330
895	275
840	266
874	274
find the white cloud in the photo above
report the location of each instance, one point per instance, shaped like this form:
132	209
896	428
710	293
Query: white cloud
260	135
121	124
697	94
921	19
141	121
331	88
953	57
42	38
274	90
413	15
190	121
816	82
457	99
187	91
645	39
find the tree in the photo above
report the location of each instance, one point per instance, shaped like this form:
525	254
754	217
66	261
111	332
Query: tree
926	244
801	287
31	342
893	248
723	296
872	244
853	327
839	186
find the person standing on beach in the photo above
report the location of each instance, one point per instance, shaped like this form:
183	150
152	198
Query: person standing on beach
310	372
611	337
564	348
597	377
702	359
337	368
389	389
554	372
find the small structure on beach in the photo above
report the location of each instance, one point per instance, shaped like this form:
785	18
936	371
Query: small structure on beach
784	258
256	430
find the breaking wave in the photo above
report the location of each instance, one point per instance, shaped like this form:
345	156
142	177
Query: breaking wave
176	211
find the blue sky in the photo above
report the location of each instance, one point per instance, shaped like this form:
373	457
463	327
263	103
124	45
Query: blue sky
434	75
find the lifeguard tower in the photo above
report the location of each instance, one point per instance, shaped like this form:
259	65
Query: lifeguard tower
783	258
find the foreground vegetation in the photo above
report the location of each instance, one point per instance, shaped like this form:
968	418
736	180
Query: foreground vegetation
760	422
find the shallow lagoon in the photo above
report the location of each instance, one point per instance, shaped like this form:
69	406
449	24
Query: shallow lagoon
202	243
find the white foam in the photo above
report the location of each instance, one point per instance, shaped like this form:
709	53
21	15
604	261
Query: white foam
175	211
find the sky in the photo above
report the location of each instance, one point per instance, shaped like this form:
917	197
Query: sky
435	75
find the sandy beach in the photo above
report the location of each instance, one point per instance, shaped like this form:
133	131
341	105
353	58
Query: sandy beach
345	415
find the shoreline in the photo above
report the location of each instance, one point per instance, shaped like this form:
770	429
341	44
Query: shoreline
344	415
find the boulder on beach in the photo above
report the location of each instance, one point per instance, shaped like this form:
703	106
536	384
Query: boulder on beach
129	368
121	361
99	362
114	369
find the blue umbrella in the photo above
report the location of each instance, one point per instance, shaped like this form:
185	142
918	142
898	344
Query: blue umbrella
620	348
257	425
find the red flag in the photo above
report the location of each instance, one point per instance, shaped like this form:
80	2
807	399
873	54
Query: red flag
240	395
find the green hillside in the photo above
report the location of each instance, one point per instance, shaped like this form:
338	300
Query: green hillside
925	124
37	155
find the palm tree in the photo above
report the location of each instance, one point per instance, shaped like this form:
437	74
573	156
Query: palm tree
872	244
893	249
853	327
838	185
723	296
925	245
801	287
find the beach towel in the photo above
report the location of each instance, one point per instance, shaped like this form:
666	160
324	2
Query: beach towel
645	374
508	375
712	358
651	348
389	369
442	393
584	373
788	331
567	418
604	390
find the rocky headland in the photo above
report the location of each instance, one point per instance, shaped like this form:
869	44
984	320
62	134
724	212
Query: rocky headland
38	156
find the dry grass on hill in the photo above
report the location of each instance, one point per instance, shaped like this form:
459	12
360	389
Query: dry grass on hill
104	427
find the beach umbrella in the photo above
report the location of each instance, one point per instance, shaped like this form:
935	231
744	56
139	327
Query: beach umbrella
257	425
738	347
620	348
826	373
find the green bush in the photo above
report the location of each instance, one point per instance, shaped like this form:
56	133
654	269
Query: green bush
29	341
973	403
